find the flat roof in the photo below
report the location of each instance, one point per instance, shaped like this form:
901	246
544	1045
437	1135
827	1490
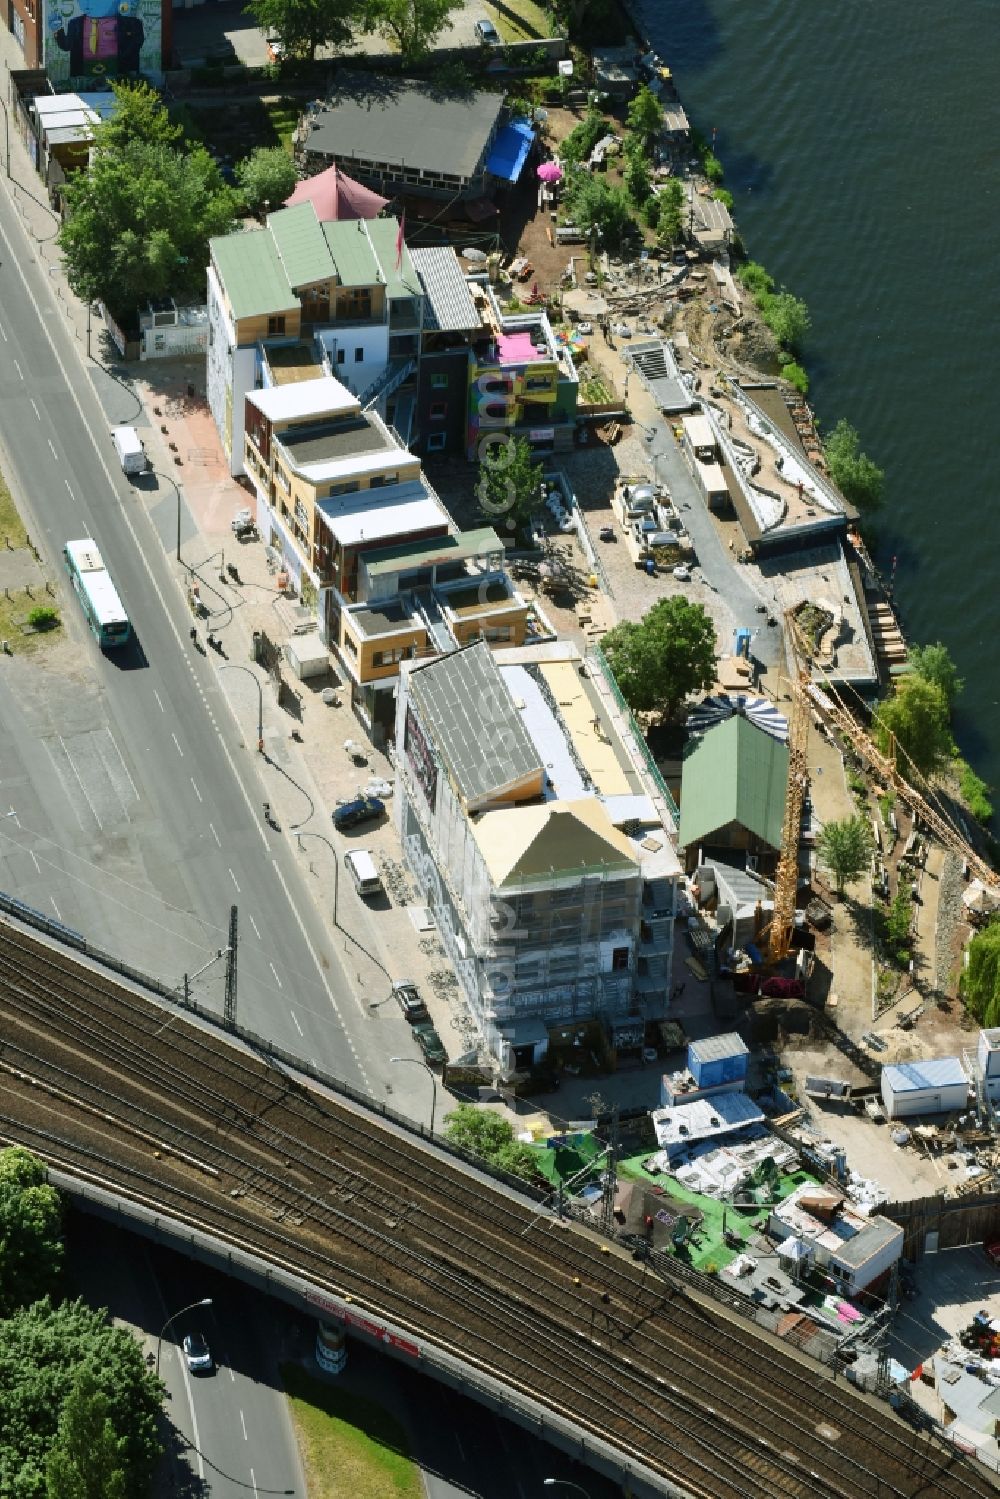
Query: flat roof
704	1119
304	398
387	462
932	1073
448	306
465	708
410	554
353	524
340	436
602	757
699	431
383	618
251	273
404	123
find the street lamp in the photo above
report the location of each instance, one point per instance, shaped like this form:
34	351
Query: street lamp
206	1301
415	1062
260	701
336	868
564	1483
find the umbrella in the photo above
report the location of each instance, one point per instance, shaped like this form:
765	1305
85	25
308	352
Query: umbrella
550	171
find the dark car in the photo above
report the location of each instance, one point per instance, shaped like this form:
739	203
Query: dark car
361	809
430	1044
409	1001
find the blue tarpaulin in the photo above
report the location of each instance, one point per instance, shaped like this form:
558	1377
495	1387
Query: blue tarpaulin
510	150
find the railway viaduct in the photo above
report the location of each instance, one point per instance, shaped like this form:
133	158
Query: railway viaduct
192	1135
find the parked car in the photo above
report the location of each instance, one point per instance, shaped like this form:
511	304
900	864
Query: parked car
621	330
682	573
409	1001
197	1353
361	809
607	533
430	1044
486	32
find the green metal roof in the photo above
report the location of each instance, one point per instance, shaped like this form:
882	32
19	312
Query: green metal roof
401	283
250	270
351	250
301	244
734	773
422	553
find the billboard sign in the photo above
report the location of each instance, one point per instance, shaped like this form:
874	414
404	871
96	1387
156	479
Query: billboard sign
89	43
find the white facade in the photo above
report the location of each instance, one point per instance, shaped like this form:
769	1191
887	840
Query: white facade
935	1086
230	374
854	1250
988	1063
357	353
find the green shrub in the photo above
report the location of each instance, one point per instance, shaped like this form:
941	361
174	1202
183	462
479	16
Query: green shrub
724	196
796	376
43	617
975	793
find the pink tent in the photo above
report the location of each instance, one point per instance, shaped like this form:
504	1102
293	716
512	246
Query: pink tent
550	171
334	195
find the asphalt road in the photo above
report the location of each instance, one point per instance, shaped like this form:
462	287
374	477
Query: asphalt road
130	807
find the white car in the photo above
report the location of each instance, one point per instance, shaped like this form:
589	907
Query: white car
622	330
682	573
198	1354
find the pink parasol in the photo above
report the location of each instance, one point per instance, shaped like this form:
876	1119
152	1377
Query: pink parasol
550	171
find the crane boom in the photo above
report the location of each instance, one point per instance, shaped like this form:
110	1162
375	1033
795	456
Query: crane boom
786	879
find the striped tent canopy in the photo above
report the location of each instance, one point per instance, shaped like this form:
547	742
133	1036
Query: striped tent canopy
726	705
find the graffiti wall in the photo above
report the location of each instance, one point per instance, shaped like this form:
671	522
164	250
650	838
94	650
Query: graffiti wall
90	42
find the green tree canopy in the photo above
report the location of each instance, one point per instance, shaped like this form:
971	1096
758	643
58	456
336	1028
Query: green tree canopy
139	222
43	1349
844	847
140	115
856	476
638	184
485	1133
670	221
645	117
980	981
31	1244
87	1459
305	25
584	137
934	664
510	482
413	25
593	203
659	662
266	178
912	726
788	319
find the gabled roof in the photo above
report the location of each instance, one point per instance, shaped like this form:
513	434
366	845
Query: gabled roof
251	273
734	773
554	838
384	235
301	244
353	254
465	708
448	307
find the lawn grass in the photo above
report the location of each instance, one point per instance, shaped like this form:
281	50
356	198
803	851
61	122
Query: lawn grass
351	1448
528	23
237	130
14	613
12	529
282	118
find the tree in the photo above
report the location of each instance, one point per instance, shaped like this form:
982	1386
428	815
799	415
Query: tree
305	25
484	1133
637	179
584	137
670	222
510	481
661	661
140	115
933	663
980	981
592	203
31	1244
645	117
859	479
844	848
43	1349
266	177
912	727
413	25
787	317
139	222
87	1458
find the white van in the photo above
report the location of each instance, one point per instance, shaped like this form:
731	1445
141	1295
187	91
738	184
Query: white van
128	446
363	872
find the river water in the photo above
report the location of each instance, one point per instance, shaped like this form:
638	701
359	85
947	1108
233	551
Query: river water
859	139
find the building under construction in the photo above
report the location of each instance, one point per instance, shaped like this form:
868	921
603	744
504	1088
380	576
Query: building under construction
543	843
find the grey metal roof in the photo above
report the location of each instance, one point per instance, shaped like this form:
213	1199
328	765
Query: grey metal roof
858	1250
715	1048
465	707
934	1072
404	123
449	308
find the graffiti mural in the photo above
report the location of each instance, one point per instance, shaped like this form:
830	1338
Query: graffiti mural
90	42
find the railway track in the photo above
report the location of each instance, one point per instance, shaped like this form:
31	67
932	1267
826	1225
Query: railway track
105	1084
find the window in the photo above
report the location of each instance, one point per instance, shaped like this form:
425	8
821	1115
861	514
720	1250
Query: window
438	411
275	325
436	442
350	486
359	355
340	356
439	382
497	633
388	658
619	960
349	643
379	481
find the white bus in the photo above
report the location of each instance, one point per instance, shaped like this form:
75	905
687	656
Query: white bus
97	594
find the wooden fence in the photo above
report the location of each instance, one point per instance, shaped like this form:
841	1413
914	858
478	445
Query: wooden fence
955	1221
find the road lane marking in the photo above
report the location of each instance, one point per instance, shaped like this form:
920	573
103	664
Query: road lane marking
159	703
3	333
256	928
82	787
232	1376
20	372
296	1022
34	860
254	1482
276	978
55	907
35	408
215	834
244	1425
52	449
114	741
198	793
235	882
177	742
70	489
